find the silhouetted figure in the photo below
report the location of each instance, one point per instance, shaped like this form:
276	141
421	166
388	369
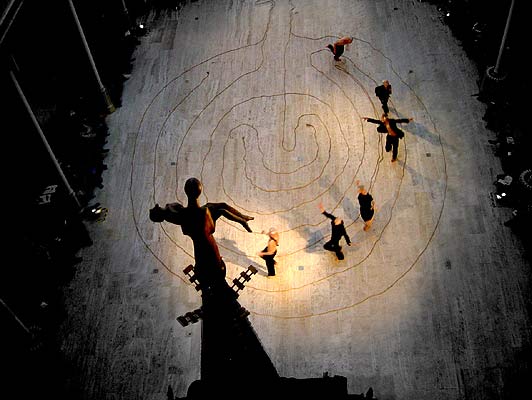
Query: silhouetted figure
199	222
337	232
393	133
367	205
383	92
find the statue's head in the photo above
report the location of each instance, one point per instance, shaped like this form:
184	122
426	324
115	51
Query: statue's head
193	188
157	214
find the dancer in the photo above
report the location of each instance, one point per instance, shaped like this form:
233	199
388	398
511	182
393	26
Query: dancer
393	133
338	47
383	92
337	232
269	252
367	206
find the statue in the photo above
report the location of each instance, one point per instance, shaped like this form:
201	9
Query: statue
199	222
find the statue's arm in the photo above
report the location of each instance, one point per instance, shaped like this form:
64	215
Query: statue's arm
171	213
174	212
174	208
225	210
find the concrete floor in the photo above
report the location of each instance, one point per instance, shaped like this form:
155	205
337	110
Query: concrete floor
428	304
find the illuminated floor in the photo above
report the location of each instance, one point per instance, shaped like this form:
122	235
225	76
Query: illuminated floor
428	304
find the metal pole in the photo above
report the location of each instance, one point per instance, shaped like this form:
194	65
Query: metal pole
6	11
128	17
501	49
103	90
15	316
11	18
50	152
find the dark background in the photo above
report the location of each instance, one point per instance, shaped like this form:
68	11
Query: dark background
42	47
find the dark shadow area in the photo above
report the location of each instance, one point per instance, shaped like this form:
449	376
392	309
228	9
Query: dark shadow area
481	28
495	35
42	56
233	359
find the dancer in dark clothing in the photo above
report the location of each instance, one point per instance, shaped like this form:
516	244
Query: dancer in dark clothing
270	251
367	206
338	47
393	133
383	92
337	232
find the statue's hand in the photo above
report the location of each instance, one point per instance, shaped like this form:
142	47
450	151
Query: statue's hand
156	214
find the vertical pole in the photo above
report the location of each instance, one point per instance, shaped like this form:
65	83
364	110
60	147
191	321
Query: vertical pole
492	76
103	90
48	148
503	42
15	316
11	17
128	17
6	11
